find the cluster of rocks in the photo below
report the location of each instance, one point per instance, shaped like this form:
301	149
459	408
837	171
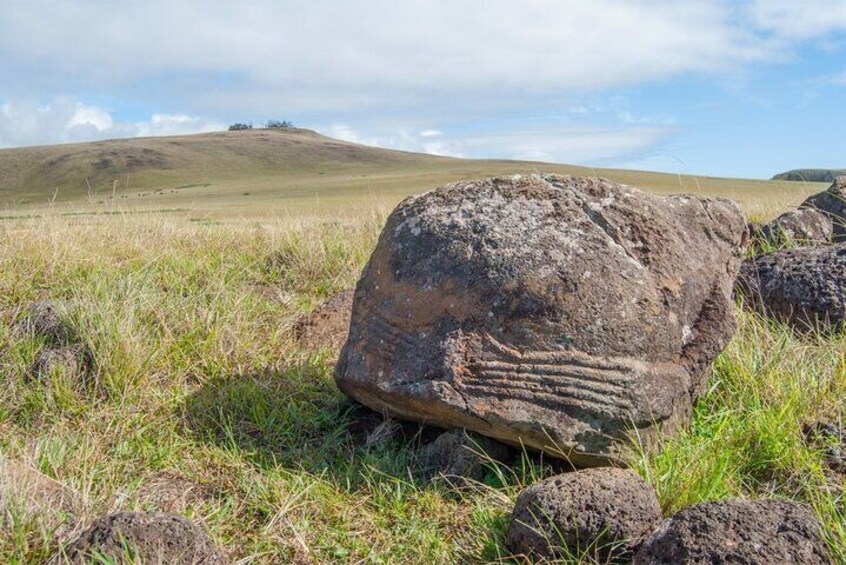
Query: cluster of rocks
611	515
567	315
803	285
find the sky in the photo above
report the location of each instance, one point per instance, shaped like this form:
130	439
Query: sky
740	88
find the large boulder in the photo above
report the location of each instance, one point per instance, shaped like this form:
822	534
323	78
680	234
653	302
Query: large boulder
131	537
805	288
603	514
805	226
551	312
738	531
832	202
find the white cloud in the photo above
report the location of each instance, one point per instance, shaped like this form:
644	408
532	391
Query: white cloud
431	133
65	120
799	19
300	54
555	143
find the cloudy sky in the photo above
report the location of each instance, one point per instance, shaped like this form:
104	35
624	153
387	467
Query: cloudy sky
734	88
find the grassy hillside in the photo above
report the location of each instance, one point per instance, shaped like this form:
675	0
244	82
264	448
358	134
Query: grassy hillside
266	172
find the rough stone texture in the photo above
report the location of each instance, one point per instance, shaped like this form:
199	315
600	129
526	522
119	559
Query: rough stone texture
552	312
153	537
832	202
44	318
805	288
605	513
457	454
737	531
806	226
329	323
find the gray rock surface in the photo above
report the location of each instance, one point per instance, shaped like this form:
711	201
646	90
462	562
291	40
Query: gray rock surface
832	202
802	227
153	538
737	531
604	513
559	313
457	454
805	288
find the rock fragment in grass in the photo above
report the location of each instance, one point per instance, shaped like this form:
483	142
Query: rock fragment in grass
328	324
45	319
70	362
602	514
805	288
738	531
146	537
458	455
832	203
797	228
559	313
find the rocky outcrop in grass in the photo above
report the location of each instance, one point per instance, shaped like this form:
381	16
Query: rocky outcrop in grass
559	313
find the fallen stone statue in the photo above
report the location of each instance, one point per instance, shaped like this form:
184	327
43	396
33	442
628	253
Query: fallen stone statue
552	312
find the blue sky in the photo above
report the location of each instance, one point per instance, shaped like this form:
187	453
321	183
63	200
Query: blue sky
729	88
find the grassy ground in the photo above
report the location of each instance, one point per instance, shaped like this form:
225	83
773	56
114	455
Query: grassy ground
199	401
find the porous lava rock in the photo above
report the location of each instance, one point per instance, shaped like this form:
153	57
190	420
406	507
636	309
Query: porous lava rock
457	455
553	312
737	531
146	537
832	203
604	513
805	288
802	227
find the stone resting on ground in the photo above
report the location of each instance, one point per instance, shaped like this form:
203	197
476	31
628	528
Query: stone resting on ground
554	312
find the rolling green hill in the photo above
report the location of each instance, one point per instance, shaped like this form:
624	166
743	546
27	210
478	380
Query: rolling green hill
264	171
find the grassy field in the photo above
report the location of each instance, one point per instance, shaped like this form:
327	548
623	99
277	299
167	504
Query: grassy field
268	173
198	400
196	397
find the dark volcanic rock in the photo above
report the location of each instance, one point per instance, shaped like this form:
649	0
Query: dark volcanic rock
832	202
457	454
552	312
151	538
806	226
602	512
805	288
737	531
